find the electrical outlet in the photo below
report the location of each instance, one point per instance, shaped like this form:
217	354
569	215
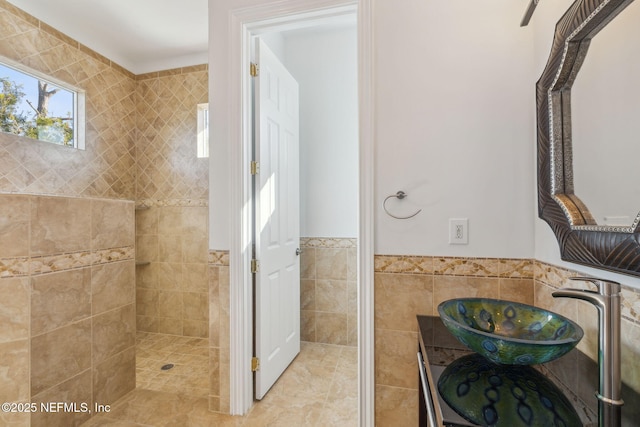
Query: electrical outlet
458	231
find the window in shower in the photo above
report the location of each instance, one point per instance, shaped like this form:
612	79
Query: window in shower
203	130
40	107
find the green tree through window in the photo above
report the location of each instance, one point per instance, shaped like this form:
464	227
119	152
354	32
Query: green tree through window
36	108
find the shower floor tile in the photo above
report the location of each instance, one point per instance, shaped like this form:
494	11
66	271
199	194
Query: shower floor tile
318	389
189	357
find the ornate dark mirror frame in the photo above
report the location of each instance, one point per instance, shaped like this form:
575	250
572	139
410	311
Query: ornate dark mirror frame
581	240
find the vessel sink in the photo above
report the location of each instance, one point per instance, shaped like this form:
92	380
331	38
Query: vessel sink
509	333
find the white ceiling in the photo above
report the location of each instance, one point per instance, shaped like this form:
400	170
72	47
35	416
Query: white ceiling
140	35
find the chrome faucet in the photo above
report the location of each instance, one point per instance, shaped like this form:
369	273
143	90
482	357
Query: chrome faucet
607	301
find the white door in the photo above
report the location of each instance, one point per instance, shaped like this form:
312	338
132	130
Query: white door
277	234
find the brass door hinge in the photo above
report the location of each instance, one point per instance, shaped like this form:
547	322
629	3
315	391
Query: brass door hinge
255	364
255	167
255	266
253	69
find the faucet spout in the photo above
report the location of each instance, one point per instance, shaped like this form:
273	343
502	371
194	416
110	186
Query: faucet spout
607	301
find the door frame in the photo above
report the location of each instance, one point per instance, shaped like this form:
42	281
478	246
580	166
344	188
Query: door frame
243	24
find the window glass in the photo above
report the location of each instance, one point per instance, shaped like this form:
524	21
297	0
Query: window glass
203	130
36	107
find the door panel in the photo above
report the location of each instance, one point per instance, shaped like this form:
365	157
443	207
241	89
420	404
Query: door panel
277	235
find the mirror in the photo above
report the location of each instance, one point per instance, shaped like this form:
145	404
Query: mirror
583	237
605	101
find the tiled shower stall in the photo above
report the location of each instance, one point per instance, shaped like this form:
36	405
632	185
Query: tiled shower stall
68	256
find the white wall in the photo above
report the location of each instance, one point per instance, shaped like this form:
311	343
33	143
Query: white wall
455	97
546	247
324	62
454	123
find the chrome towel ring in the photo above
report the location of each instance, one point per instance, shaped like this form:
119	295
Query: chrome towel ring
399	195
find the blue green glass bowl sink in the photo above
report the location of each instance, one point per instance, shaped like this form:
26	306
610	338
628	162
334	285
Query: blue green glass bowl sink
488	394
509	333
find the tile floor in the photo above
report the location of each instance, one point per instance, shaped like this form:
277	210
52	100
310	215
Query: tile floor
318	389
190	357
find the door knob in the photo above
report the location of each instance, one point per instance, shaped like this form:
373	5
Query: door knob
298	251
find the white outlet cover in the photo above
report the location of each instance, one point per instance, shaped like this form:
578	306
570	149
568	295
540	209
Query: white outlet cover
458	231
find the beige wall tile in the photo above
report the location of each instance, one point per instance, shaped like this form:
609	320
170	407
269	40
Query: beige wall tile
106	167
352	329
516	268
587	318
60	224
195	221
147	220
518	290
325	266
14	371
59	355
219	329
448	287
214	371
352	264
566	306
170	221
15	419
170	276
50	264
308	325
224	285
630	303
331	263
147	302
586	374
195	306
114	377
147	323
195	328
58	299
352	297
399	298
147	248
403	264
194	249
170	304
113	332
479	267
113	285
112	224
195	277
77	390
331	296
147	276
214	307
14	226
170	248
396	363
14	267
307	294
630	342
14	309
170	325
308	263
166	168
331	328
396	406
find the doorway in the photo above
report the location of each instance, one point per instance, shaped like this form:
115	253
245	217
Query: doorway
322	58
230	51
